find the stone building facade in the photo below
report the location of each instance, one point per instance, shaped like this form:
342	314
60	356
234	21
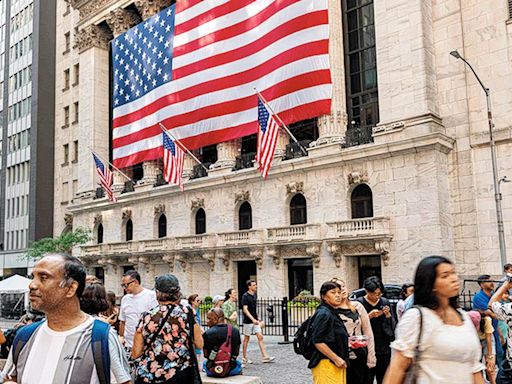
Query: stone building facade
400	169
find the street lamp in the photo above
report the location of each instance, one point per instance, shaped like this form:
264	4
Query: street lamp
497	180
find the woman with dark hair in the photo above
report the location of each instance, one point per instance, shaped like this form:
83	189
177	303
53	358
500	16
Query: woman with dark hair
165	338
379	312
229	307
328	363
111	315
435	332
406	291
94	300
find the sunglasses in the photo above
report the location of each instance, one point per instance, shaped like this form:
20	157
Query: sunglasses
127	284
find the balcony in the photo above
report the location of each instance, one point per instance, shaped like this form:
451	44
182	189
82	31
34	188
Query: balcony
198	171
240	238
358	136
156	245
245	160
92	250
370	227
303	232
194	242
294	150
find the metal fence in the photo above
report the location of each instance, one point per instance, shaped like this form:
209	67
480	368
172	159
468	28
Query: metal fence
281	316
469	289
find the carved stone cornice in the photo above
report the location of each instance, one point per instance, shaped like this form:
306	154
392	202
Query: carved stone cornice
159	209
275	254
295	187
148	8
68	219
93	36
197	203
382	246
224	257
121	20
98	219
242	196
127	214
358	177
210	258
257	256
336	253
88	7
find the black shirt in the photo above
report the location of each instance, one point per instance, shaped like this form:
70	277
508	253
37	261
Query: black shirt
215	336
382	327
328	328
250	301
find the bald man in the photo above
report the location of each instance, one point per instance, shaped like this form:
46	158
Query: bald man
215	336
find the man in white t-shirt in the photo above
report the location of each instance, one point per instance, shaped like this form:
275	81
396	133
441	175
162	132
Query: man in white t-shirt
59	350
136	301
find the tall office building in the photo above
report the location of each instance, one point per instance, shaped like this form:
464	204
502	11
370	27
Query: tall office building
27	46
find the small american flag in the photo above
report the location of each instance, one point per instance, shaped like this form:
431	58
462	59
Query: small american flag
173	161
267	138
106	178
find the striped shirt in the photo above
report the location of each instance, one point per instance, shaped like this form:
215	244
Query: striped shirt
52	357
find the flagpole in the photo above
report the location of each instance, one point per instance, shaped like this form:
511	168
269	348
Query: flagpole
285	127
112	165
162	127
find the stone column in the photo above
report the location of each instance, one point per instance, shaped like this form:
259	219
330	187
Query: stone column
121	20
407	83
92	43
188	166
282	141
332	128
226	155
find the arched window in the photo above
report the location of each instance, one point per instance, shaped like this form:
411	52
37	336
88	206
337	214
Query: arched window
129	230
162	226
362	202
99	234
200	221
245	216
298	211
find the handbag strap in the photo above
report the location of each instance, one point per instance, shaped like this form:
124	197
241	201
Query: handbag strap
417	351
161	326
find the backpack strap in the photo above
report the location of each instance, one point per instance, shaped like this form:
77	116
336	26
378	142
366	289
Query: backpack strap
100	350
22	337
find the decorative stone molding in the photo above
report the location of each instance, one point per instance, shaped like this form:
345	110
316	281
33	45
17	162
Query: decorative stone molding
358	177
382	246
159	209
88	8
275	254
331	128
169	259
210	258
295	187
111	267
121	20
313	251
133	260
148	8
335	251
359	249
98	219
224	257
257	256
242	196
93	36
197	203
181	261
68	219
151	171
396	126
127	214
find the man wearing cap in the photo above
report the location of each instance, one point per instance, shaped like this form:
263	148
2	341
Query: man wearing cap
165	338
218	300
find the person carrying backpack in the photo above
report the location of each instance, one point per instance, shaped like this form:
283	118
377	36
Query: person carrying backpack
221	346
70	346
329	338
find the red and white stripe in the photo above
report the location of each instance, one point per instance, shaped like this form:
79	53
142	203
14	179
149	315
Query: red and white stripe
223	50
267	144
106	182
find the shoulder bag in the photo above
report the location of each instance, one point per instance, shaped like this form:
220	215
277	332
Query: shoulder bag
412	373
192	351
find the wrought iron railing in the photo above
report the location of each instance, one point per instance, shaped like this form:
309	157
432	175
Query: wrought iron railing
358	136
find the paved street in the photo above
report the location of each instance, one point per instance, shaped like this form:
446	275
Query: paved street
287	368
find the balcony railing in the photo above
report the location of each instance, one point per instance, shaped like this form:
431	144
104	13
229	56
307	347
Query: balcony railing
192	242
371	226
294	150
245	160
155	245
237	238
199	171
358	136
294	233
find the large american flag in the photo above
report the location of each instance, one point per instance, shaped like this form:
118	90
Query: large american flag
106	178
194	68
174	157
268	133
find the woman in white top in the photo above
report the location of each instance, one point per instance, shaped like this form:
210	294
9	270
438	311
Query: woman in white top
449	349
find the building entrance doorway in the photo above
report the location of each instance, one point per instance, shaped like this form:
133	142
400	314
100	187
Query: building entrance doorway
368	266
300	276
246	271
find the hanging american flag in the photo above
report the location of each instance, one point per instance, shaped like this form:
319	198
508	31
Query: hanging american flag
174	157
106	178
267	138
194	68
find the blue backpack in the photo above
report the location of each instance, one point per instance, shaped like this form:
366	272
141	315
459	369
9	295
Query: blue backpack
99	344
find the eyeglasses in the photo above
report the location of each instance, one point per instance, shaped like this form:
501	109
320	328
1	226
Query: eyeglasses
127	284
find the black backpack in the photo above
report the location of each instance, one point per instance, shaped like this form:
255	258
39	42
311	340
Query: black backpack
302	344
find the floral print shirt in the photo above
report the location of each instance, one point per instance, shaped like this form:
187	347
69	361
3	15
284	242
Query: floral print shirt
169	353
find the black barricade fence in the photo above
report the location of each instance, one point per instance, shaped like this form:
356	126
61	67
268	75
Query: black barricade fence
469	288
